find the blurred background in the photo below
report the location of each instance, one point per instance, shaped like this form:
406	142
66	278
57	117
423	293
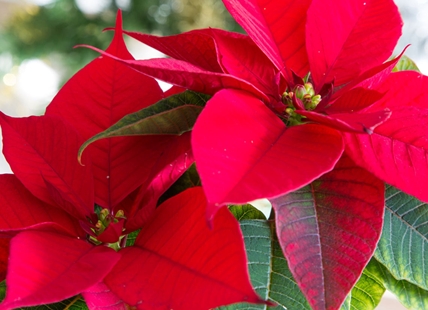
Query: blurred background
37	39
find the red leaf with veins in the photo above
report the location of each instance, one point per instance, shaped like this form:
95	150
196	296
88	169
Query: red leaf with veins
237	54
277	27
46	268
397	151
148	196
345	38
97	97
328	231
35	160
404	89
184	74
248	153
196	47
22	211
179	263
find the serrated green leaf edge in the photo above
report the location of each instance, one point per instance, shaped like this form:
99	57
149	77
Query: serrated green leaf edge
402	248
174	115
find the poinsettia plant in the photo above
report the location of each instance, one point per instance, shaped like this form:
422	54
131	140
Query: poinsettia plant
127	197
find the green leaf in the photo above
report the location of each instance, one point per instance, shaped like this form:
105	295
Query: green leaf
174	115
130	239
347	303
269	271
369	289
405	63
410	295
403	246
2	290
246	212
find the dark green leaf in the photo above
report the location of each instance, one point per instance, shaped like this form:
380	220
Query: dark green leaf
2	290
405	63
269	271
402	248
246	212
174	115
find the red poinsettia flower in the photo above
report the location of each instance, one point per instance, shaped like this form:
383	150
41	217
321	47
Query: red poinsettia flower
69	223
305	105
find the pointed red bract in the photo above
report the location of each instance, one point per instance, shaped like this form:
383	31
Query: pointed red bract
186	75
328	231
42	163
179	263
248	153
277	27
237	54
196	47
46	267
97	97
397	151
146	201
20	210
346	38
352	122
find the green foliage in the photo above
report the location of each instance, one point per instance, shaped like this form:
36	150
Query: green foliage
246	212
130	239
403	246
369	289
405	63
410	295
268	268
174	115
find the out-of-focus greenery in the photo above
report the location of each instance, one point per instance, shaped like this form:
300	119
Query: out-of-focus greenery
50	32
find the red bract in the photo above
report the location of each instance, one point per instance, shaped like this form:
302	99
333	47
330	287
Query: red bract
68	223
309	82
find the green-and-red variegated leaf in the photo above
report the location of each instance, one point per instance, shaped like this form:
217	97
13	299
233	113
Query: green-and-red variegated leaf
328	231
174	115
